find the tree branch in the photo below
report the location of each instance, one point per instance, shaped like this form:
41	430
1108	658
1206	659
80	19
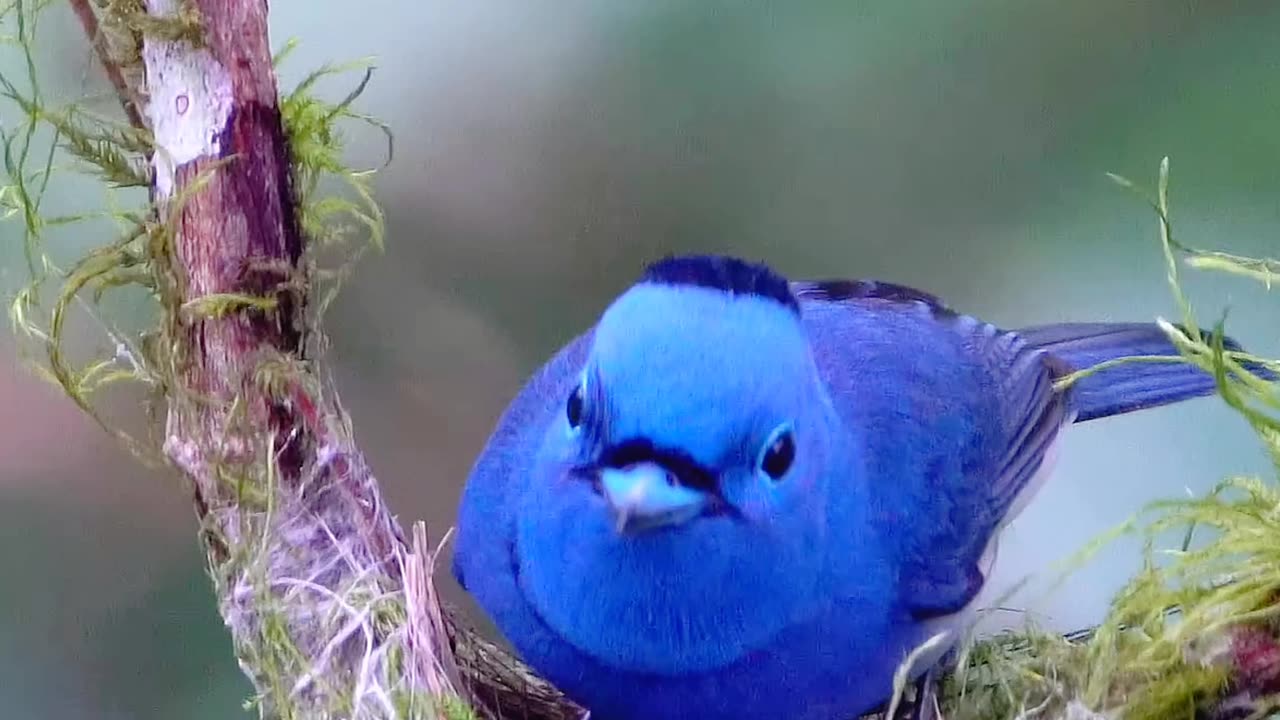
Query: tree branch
308	562
331	612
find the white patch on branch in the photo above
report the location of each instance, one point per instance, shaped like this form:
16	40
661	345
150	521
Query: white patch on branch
185	454
189	100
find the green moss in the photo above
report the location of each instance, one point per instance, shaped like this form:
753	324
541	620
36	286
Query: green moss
142	257
129	19
340	225
331	221
1151	657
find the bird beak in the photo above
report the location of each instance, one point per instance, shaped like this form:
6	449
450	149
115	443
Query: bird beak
646	495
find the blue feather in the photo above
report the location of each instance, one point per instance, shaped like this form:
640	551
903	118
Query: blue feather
1126	387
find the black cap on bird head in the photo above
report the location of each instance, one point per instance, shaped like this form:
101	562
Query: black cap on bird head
720	272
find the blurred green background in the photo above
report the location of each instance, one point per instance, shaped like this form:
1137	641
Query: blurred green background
545	150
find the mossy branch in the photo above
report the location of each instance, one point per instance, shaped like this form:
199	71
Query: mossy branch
331	608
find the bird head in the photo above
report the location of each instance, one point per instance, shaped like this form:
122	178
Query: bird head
675	517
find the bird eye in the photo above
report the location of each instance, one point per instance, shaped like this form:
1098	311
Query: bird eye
573	408
779	453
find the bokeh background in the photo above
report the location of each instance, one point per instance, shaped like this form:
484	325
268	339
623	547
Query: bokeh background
546	150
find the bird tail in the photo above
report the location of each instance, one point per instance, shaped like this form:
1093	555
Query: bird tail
1128	386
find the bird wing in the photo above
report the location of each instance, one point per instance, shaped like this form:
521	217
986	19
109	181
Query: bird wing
953	416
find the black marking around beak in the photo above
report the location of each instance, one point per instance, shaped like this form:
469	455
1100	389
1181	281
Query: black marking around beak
683	469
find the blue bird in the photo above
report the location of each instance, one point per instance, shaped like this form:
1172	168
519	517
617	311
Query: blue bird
740	497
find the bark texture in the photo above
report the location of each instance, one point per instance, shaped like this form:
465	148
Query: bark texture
308	561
